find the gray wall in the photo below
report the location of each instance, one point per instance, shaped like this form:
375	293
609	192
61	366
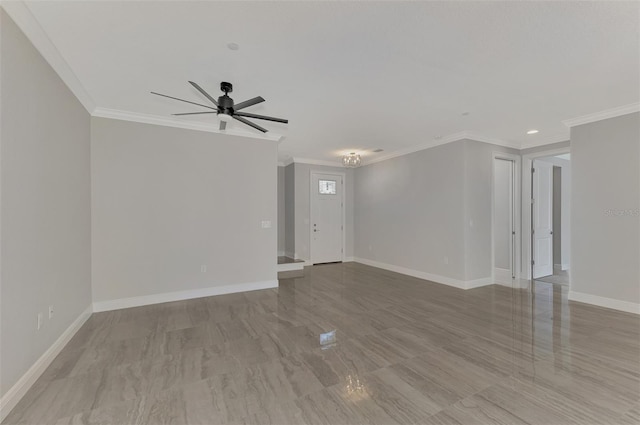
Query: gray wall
410	211
429	211
281	212
302	203
46	209
166	201
289	211
605	157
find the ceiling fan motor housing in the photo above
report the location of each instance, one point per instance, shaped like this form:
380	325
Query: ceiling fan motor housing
225	105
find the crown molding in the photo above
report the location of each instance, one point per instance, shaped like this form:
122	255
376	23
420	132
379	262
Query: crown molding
28	24
545	141
177	123
419	147
492	140
463	135
311	161
603	115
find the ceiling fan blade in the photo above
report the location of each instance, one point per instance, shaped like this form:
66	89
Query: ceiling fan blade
248	103
261	117
249	123
197	113
182	100
223	125
204	93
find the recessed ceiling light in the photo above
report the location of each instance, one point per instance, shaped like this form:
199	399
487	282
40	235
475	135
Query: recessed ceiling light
233	46
464	114
378	150
532	131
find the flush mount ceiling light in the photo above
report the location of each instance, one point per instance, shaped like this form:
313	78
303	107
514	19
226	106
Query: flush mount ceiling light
233	46
532	131
351	160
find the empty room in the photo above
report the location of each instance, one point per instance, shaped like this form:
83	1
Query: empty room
319	212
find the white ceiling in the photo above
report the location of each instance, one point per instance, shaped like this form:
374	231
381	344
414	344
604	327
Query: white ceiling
357	76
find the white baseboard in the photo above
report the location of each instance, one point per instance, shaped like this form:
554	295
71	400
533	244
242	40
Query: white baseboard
280	253
20	388
348	260
456	283
287	267
604	302
289	254
477	283
561	266
502	276
166	297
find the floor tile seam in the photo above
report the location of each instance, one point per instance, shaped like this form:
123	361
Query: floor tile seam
560	398
612	363
431	382
499	381
480	394
566	393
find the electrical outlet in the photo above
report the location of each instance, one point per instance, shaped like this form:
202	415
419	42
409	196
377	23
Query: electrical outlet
39	320
266	224
203	268
51	311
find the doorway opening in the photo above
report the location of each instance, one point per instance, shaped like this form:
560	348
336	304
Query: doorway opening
551	209
548	249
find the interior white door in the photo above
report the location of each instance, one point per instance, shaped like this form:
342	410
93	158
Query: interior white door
542	219
503	220
326	218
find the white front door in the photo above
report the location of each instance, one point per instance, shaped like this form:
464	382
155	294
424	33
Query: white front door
542	219
326	217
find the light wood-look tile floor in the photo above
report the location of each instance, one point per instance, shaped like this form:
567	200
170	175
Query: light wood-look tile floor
408	351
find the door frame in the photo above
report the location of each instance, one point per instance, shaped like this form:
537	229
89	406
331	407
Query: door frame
516	211
343	177
527	162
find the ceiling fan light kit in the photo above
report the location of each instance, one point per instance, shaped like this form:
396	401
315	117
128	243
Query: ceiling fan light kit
226	109
225	117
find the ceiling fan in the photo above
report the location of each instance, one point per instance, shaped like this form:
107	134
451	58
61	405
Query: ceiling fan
226	108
